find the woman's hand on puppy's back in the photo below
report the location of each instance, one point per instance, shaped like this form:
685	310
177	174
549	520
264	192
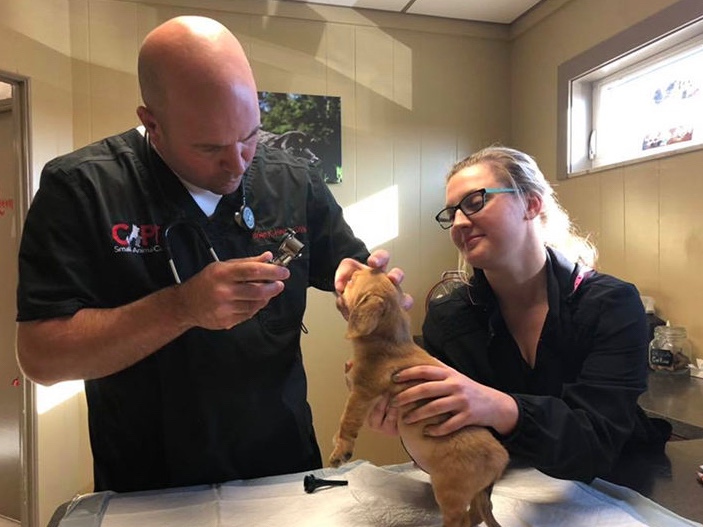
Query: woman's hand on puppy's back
449	393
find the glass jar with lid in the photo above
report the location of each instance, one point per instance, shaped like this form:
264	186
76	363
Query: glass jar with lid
670	350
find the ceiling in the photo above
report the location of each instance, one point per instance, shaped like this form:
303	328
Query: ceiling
499	11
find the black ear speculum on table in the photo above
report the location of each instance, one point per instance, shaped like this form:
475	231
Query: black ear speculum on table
312	483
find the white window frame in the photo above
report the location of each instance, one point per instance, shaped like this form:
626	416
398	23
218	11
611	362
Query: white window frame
578	78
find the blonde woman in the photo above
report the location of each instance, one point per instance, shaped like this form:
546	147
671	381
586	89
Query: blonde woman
539	347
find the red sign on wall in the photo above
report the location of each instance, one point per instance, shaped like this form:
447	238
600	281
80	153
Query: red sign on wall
5	205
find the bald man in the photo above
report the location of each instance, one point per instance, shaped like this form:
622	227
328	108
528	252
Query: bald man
193	372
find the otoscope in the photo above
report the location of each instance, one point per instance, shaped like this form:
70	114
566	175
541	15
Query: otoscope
290	249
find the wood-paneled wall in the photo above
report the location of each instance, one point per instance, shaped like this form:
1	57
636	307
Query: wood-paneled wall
417	94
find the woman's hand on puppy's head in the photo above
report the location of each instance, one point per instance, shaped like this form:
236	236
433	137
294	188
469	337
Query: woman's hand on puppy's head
377	260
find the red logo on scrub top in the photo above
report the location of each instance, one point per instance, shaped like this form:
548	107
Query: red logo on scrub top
131	238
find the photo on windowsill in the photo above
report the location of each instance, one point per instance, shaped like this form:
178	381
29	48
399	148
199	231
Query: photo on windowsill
674	104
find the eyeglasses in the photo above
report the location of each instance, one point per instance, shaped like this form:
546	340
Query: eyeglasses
469	204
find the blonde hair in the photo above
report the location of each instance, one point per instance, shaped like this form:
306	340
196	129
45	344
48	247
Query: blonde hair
520	171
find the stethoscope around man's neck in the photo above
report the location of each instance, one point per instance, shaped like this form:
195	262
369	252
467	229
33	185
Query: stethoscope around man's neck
289	249
244	218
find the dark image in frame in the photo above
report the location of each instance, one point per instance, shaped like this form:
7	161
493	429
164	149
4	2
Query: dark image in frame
306	126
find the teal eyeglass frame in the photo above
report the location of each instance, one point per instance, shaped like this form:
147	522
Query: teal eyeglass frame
445	217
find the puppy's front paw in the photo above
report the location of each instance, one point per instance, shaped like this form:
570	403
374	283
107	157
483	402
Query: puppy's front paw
339	458
342	452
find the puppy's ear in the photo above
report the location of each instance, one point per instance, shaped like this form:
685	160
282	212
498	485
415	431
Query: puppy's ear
365	316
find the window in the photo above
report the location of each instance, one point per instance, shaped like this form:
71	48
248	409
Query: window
653	107
634	96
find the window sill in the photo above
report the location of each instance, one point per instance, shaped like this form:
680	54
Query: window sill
631	162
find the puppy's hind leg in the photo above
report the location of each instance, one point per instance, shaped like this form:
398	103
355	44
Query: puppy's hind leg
453	494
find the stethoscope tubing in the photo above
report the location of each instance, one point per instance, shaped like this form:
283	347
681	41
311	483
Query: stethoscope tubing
199	231
290	248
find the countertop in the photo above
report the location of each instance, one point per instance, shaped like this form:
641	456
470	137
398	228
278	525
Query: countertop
667	478
679	400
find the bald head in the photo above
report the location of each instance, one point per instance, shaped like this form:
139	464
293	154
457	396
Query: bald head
201	109
185	56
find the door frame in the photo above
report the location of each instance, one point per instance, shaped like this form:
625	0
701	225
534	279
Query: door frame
21	91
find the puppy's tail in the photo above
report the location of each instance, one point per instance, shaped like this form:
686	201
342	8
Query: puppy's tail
481	509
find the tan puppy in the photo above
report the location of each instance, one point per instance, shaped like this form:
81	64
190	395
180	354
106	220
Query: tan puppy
462	466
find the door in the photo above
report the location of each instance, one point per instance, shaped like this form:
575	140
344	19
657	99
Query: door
17	426
10	383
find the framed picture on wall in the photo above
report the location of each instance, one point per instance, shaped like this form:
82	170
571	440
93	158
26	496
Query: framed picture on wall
307	126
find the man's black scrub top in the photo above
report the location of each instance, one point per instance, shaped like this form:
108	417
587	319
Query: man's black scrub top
211	406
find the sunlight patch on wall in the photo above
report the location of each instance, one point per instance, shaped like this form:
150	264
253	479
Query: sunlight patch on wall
375	219
49	397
